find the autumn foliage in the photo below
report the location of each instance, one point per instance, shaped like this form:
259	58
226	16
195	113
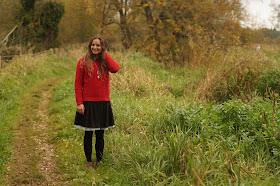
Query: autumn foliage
171	31
186	27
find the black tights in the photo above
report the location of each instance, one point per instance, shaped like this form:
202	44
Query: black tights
99	144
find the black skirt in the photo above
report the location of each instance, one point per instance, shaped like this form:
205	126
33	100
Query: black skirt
98	116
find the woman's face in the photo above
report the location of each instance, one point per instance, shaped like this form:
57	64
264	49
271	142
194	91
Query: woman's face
96	46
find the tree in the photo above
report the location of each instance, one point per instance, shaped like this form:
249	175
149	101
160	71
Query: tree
176	27
25	16
84	18
122	7
152	22
276	8
8	9
39	25
50	17
79	22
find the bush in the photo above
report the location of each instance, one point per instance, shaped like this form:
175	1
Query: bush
269	82
235	75
253	124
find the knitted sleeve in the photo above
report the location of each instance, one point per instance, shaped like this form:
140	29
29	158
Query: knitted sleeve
113	66
80	71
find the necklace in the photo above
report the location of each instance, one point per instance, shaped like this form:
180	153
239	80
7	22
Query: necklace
97	72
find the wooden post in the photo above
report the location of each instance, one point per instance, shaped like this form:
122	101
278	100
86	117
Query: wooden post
0	63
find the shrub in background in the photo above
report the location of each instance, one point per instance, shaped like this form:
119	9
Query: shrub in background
253	124
235	74
38	27
269	82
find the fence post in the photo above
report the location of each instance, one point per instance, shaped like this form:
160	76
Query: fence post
0	63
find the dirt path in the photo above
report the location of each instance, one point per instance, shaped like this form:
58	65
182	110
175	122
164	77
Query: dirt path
33	158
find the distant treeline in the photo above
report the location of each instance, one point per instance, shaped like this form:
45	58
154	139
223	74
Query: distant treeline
170	30
270	33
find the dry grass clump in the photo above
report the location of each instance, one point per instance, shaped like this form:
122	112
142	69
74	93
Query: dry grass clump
131	79
134	80
233	74
74	50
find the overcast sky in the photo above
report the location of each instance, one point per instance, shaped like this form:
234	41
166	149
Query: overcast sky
260	13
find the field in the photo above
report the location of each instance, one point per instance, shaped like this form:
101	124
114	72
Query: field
211	123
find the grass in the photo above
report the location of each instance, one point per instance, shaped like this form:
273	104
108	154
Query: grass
16	79
163	136
24	135
160	138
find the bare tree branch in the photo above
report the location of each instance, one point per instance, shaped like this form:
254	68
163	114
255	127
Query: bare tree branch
6	39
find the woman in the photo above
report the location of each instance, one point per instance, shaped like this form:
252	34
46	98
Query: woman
94	112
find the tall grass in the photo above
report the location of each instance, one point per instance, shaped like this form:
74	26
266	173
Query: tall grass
162	135
161	138
233	73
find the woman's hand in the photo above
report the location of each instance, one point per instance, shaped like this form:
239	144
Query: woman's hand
81	109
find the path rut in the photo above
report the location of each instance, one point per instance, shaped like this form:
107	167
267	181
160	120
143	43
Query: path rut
33	158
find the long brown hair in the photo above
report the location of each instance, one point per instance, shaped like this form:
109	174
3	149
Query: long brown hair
89	56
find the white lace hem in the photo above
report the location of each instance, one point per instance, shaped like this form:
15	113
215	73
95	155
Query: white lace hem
92	129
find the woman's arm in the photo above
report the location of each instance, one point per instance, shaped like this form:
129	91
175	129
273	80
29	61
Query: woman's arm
113	66
79	83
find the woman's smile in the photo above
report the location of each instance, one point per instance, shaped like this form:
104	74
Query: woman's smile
96	46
